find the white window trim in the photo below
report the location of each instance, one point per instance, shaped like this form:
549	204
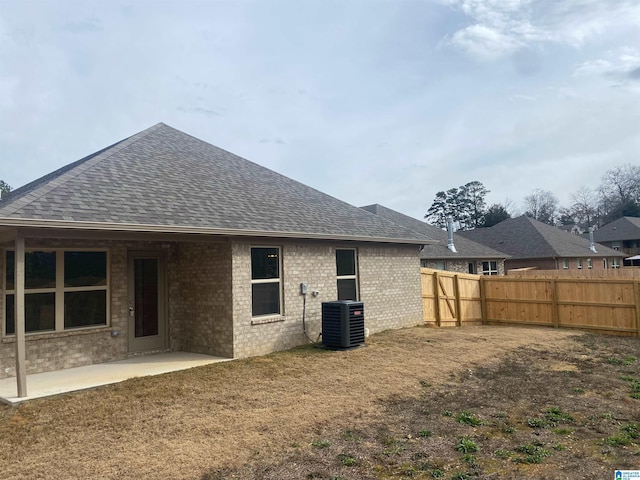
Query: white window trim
268	280
615	263
59	290
489	271
589	264
579	264
349	277
565	263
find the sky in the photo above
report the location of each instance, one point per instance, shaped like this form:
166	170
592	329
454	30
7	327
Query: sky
370	101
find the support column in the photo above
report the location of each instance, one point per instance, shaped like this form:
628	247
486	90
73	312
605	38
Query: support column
21	367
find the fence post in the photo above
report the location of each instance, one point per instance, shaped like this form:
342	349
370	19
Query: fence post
456	292
555	314
436	299
483	299
637	295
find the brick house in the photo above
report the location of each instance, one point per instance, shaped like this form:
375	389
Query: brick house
622	235
163	242
531	243
468	257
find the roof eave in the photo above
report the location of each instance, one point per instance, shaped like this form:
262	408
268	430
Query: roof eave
181	229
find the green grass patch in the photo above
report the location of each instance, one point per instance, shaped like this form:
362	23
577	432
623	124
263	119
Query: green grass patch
555	415
468	418
502	453
531	454
347	460
629	360
424	433
537	423
467	445
322	443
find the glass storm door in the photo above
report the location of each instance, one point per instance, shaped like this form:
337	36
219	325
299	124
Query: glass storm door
147	323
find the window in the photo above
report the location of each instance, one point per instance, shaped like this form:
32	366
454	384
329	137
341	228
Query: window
63	290
490	268
565	263
265	281
441	265
615	263
615	245
346	274
472	268
579	263
423	263
589	263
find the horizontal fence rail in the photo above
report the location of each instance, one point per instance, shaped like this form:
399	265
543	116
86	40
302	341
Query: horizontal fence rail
608	305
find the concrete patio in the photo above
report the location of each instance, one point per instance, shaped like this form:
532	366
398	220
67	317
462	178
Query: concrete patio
80	378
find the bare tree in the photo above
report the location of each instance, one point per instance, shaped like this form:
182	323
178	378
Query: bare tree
542	205
584	207
620	192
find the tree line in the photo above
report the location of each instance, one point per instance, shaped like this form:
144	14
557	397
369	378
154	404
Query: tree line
618	195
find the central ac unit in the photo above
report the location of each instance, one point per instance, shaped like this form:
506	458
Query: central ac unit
342	324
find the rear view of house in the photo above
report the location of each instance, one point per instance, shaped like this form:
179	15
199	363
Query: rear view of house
163	242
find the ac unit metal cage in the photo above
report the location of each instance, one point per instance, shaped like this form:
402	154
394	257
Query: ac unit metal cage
342	324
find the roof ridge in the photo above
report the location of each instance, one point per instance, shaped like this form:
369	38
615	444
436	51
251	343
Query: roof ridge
540	228
68	172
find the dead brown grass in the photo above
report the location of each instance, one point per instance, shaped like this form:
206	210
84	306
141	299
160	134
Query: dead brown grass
311	413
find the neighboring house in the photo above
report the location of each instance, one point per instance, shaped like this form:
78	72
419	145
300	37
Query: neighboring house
531	243
163	242
469	256
622	235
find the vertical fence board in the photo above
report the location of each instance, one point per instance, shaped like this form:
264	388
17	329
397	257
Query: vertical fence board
607	304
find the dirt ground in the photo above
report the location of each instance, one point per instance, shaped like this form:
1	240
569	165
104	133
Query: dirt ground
478	402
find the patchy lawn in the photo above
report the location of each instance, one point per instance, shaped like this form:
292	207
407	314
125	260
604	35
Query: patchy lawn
420	403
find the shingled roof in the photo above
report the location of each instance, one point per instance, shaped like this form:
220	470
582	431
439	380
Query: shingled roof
524	237
624	228
163	180
466	249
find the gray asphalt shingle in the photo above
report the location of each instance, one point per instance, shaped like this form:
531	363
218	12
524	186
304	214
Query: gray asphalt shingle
625	228
524	237
164	177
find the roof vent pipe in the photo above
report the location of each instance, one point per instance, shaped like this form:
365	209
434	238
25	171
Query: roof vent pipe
450	244
592	245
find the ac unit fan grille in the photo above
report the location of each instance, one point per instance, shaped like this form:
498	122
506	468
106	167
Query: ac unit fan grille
342	324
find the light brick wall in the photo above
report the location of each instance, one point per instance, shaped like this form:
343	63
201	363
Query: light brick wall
389	284
390	288
203	314
203	302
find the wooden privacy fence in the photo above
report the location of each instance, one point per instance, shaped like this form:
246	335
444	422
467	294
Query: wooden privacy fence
608	305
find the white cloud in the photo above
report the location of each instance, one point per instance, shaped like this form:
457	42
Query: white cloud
619	64
501	28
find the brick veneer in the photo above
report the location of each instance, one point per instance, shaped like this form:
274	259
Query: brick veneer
389	284
209	299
